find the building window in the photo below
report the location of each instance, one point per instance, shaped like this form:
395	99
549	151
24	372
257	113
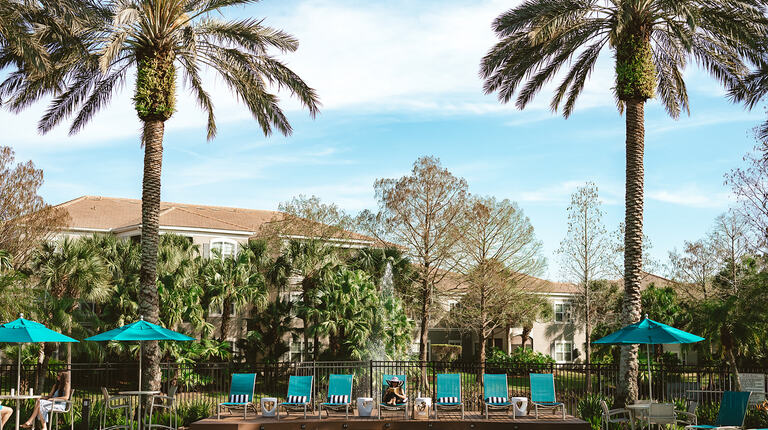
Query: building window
563	313
297	352
217	309
563	351
226	248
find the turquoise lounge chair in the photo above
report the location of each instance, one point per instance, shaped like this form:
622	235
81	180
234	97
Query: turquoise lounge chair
495	393
543	393
339	395
240	394
299	395
397	406
449	393
733	409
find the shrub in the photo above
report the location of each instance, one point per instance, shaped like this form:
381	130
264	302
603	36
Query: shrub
445	352
706	413
590	410
757	418
498	357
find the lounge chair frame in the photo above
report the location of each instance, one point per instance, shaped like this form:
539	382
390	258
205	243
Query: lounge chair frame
337	385
492	387
241	384
452	380
295	386
543	393
398	406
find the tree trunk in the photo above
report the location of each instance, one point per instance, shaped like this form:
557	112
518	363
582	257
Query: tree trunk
426	296
633	245
726	339
226	319
588	344
525	335
150	211
481	353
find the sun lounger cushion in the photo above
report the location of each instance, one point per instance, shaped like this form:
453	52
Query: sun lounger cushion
238	398
338	399
496	400
296	399
448	400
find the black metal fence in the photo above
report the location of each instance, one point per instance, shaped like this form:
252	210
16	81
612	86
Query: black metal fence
209	382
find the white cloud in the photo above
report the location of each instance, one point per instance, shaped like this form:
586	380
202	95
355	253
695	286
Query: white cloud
691	196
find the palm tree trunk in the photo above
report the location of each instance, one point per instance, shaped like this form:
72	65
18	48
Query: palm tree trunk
226	319
150	211
633	245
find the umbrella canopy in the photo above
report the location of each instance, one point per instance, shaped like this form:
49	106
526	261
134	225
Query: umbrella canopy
649	332
140	331
26	331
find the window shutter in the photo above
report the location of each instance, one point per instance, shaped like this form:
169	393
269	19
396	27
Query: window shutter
206	250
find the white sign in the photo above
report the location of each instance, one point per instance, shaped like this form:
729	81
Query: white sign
754	382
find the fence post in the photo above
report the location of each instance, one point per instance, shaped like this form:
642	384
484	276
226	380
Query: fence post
370	377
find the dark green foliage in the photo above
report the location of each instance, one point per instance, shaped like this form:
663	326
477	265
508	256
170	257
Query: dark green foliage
155	96
706	413
266	332
445	352
588	408
518	356
635	71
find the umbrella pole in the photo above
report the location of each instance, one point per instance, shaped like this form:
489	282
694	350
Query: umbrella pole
18	375
141	356
650	383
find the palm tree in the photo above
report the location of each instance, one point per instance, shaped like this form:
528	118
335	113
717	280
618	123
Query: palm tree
651	41
179	289
159	38
71	278
313	263
233	282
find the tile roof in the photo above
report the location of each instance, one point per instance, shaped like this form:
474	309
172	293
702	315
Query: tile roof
110	213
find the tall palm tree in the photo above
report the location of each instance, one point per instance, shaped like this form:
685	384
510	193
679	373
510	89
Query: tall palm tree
159	39
651	41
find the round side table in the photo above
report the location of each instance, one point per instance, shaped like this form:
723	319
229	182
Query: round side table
364	406
421	408
268	406
519	405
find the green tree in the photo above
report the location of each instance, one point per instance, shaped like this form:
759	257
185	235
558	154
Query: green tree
267	331
161	39
350	311
651	41
232	283
312	262
70	277
735	320
178	284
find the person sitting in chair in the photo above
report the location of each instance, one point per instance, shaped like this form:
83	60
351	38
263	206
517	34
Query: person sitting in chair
394	393
5	415
43	406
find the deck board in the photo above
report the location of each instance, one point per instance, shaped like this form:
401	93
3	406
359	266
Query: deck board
473	420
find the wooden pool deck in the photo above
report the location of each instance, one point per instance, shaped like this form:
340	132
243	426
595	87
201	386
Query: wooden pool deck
473	420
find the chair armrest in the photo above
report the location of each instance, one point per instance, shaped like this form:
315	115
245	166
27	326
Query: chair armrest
620	411
67	404
687	417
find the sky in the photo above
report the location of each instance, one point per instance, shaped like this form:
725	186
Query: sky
399	80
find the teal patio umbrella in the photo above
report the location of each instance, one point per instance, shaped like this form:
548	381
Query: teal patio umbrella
26	331
140	331
649	332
